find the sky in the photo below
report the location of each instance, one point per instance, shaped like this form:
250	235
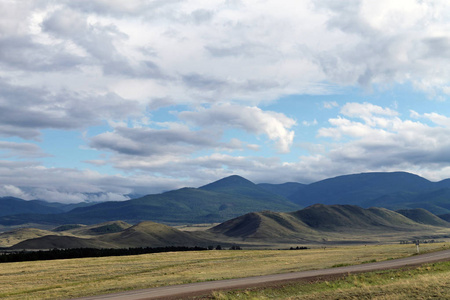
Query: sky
106	99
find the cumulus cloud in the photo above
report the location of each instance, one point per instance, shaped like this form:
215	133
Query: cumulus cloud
33	181
251	119
12	191
380	140
20	150
24	110
150	142
249	52
171	143
388	42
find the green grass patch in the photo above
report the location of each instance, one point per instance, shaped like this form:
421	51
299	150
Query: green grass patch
340	265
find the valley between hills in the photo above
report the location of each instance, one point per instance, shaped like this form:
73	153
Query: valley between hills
235	211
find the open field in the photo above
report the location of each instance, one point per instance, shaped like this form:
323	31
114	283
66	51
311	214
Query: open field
90	276
430	281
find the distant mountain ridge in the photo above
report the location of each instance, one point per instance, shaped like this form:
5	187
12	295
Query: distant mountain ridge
12	205
233	196
351	188
283	189
392	190
216	202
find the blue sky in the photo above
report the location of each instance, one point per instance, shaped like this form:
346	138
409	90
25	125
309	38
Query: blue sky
101	99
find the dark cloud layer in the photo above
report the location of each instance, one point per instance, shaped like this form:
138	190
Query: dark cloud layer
24	110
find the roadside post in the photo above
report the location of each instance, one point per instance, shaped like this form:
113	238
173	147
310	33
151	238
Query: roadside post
417	245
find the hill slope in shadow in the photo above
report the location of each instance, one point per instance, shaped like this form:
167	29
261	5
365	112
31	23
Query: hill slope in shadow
324	222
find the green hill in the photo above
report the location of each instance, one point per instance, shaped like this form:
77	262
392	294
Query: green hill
239	186
60	242
67	227
231	184
396	190
217	202
12	206
265	226
99	229
187	205
445	217
321	222
151	234
436	201
423	216
283	189
235	196
315	224
349	217
144	234
13	237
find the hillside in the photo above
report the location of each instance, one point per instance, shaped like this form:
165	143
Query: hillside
217	202
151	234
60	242
13	206
283	189
96	229
323	222
423	216
315	224
144	234
239	186
265	226
351	217
436	201
445	217
235	196
13	237
394	190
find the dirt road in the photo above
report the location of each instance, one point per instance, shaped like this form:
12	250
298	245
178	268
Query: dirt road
178	291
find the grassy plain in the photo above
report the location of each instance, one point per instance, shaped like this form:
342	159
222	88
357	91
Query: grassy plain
62	279
431	281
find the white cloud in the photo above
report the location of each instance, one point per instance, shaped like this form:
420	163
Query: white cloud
20	150
366	110
197	51
251	119
309	123
383	141
12	191
171	144
25	111
330	104
33	181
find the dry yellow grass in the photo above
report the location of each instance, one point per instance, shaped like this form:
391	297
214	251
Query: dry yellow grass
429	286
430	281
61	279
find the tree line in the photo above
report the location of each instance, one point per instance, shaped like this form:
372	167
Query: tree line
87	252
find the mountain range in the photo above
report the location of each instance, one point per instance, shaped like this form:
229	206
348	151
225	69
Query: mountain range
395	190
318	223
235	196
216	202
